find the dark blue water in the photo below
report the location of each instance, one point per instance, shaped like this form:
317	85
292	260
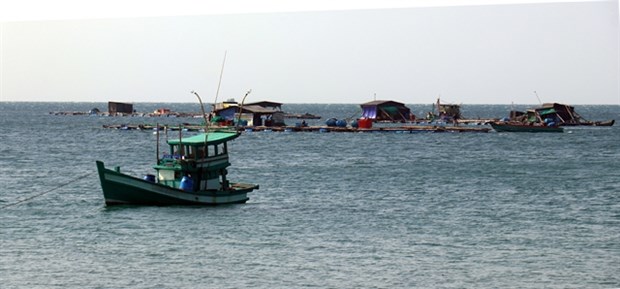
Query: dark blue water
334	210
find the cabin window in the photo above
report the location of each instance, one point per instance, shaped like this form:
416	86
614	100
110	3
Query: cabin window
174	152
221	149
200	152
191	152
166	175
211	151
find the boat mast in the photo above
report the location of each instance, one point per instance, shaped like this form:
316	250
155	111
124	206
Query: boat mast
217	92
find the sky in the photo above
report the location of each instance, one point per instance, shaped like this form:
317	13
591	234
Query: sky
411	51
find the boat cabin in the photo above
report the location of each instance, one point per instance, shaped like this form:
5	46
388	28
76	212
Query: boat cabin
202	158
448	112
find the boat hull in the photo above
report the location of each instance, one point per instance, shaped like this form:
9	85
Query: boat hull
524	128
590	123
121	189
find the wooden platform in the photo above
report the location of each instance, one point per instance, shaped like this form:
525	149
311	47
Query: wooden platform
399	129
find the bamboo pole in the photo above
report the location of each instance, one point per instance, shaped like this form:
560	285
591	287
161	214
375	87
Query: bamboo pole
157	146
181	153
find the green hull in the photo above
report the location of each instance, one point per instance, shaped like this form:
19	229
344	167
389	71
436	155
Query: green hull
121	189
524	128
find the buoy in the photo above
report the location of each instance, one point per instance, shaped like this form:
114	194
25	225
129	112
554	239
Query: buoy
341	123
354	124
187	184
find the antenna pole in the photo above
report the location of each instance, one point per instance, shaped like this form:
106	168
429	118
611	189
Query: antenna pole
537	97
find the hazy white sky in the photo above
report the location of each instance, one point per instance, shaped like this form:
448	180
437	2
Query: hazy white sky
408	51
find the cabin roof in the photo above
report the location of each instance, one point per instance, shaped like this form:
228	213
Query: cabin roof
250	108
212	138
259	109
266	103
382	102
557	105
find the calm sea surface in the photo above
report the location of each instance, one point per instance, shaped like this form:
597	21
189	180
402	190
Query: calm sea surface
334	210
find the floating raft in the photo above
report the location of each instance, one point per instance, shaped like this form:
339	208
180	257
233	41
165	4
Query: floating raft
135	114
400	129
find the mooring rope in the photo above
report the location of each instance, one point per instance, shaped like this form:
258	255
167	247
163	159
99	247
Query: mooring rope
46	192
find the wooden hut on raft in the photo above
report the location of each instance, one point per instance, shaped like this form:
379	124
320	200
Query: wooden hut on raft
263	113
386	110
119	108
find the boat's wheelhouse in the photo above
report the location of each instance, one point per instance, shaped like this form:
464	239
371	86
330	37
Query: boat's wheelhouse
202	159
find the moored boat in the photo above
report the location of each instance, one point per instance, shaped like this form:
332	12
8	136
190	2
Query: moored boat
522	127
564	115
591	123
193	172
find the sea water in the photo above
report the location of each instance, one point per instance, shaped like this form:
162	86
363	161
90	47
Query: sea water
334	210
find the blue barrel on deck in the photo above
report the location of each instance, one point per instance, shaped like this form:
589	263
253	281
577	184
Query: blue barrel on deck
331	122
187	184
551	123
341	123
354	124
149	178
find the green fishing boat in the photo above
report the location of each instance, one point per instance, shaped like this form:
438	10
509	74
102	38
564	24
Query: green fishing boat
193	172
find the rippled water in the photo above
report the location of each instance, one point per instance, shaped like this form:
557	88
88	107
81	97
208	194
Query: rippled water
334	210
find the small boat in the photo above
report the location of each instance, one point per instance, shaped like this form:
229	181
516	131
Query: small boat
523	127
591	123
193	172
